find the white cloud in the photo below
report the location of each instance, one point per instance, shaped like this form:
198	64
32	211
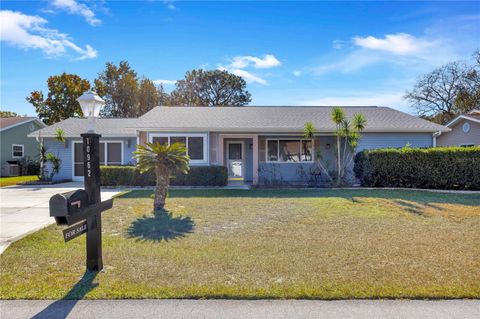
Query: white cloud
165	82
338	44
238	65
169	4
400	43
268	61
297	73
77	8
247	76
401	49
27	32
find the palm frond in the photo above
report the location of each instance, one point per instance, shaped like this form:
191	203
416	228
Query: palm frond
359	122
174	157
309	130
338	115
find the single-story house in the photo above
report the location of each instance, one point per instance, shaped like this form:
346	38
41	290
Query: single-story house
256	144
16	146
465	131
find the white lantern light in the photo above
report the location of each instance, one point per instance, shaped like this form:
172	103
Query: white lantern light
91	105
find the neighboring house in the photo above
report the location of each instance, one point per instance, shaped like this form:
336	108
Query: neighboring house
15	145
257	144
465	131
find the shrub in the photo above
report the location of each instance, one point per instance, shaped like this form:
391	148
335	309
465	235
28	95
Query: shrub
437	168
131	176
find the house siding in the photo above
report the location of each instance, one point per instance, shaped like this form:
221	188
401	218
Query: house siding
18	135
299	173
292	173
394	140
457	137
65	152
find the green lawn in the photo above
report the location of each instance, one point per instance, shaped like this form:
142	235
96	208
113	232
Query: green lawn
327	244
9	181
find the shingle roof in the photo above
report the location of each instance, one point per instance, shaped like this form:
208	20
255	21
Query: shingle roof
277	119
5	122
73	127
245	119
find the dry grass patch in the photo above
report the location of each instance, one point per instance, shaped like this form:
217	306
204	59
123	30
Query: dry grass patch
328	244
10	181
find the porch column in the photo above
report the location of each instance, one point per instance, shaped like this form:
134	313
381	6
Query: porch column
255	159
220	155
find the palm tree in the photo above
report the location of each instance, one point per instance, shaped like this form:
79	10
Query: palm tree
164	160
338	118
309	133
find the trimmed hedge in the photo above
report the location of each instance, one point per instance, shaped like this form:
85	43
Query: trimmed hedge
131	176
435	168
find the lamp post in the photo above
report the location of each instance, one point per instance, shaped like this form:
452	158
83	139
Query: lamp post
91	105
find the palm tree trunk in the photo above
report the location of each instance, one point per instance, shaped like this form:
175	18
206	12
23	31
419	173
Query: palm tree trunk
338	158
161	187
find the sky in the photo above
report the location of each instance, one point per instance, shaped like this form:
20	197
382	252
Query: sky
290	53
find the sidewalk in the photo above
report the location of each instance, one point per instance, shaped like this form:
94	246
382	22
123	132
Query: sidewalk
24	209
232	309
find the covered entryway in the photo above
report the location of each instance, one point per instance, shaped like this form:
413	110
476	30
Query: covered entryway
239	153
236	161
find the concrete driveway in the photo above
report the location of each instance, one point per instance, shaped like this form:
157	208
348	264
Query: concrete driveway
24	209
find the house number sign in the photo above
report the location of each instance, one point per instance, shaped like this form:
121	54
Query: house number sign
88	156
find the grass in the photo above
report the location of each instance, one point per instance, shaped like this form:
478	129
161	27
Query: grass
325	244
9	181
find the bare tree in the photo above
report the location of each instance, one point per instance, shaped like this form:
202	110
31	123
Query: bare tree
447	91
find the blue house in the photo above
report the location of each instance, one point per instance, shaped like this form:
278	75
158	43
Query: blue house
256	144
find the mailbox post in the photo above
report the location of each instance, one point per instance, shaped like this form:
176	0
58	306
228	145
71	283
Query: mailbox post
91	169
91	104
81	209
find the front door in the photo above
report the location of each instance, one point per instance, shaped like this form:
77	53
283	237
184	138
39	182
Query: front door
235	161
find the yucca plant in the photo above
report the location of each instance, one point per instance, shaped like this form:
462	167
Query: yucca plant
347	135
338	118
56	164
164	160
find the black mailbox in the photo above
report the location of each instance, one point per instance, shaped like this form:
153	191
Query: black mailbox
65	205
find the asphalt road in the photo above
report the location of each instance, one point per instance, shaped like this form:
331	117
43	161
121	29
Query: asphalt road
232	309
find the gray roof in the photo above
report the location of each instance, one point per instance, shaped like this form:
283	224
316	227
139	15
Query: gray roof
261	119
107	127
9	122
277	119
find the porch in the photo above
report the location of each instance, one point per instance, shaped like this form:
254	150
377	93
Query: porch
273	159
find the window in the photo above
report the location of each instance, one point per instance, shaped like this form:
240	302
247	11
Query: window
17	150
195	144
272	154
110	154
289	150
235	151
195	148
306	151
160	139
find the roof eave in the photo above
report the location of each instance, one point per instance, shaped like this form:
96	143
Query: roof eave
43	125
35	134
280	130
460	117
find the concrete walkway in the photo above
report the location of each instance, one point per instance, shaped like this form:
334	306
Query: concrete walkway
24	209
232	309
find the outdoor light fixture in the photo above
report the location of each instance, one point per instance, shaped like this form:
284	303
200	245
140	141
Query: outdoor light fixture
91	105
